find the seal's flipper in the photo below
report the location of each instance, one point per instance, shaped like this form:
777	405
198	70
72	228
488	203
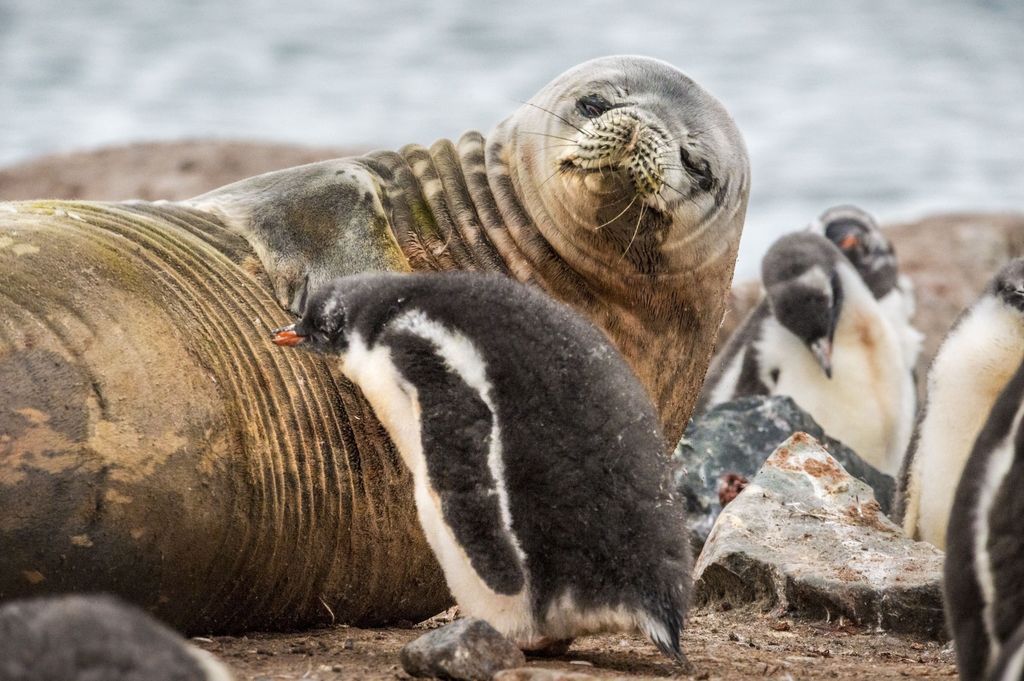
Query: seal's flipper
460	451
309	224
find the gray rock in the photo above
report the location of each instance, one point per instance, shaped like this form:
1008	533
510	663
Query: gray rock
467	649
807	538
735	438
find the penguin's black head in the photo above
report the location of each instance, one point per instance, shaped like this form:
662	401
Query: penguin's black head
1008	284
804	291
859	238
322	327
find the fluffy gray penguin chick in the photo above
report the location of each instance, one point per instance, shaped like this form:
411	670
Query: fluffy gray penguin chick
540	472
95	638
984	575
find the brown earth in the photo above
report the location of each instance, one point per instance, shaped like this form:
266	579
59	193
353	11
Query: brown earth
739	644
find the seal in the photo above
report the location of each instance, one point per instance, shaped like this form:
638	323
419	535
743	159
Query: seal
541	491
620	189
144	407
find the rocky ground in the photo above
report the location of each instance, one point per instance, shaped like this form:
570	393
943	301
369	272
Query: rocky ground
735	644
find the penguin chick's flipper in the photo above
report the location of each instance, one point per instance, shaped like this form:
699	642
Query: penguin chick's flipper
458	437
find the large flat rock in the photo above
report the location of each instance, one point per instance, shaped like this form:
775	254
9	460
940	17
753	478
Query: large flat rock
807	538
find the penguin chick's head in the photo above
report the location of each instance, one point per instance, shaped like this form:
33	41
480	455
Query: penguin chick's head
1008	284
858	236
322	327
804	291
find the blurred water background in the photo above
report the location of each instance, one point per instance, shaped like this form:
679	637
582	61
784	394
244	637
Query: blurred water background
904	107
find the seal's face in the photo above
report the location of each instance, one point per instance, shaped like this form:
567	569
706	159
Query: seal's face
629	158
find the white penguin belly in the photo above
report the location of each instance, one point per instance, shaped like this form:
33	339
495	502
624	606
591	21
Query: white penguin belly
394	402
971	369
868	402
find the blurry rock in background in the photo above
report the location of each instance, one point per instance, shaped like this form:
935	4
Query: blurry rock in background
152	170
726	446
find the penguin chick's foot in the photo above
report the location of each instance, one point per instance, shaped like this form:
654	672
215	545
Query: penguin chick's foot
545	647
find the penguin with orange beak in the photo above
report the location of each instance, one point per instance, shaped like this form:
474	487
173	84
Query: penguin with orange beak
537	458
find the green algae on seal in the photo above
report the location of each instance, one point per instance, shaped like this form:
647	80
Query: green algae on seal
152	443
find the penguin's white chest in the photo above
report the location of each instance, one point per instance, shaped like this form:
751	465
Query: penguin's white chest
394	401
971	369
869	401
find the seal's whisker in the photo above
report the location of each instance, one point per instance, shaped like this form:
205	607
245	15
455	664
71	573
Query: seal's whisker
557	171
544	134
635	231
580	130
635	197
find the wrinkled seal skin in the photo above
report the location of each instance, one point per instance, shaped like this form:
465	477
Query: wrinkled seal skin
151	442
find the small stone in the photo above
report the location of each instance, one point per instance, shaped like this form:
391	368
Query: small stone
468	649
807	539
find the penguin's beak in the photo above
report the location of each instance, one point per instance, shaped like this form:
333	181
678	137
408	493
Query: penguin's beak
287	336
848	242
822	351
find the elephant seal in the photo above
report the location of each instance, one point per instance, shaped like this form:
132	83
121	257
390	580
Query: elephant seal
620	188
153	445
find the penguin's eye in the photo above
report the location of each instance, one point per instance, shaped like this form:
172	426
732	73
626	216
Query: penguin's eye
592	106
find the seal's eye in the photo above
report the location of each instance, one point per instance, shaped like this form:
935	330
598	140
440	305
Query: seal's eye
592	106
699	170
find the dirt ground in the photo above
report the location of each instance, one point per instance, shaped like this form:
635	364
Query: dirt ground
739	644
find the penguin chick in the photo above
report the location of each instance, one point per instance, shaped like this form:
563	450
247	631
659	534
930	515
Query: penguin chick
973	365
858	236
539	468
87	638
984	573
820	337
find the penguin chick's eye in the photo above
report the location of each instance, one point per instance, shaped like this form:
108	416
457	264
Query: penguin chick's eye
698	169
592	106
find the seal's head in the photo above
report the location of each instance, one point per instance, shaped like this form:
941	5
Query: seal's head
625	159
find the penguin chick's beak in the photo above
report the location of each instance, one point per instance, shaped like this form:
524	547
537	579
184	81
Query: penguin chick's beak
822	351
848	242
286	336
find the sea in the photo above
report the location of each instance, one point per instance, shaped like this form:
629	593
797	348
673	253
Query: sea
905	107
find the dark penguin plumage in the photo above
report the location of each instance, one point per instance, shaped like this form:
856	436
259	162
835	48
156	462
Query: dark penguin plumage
973	365
94	638
820	337
984	575
537	457
856	233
